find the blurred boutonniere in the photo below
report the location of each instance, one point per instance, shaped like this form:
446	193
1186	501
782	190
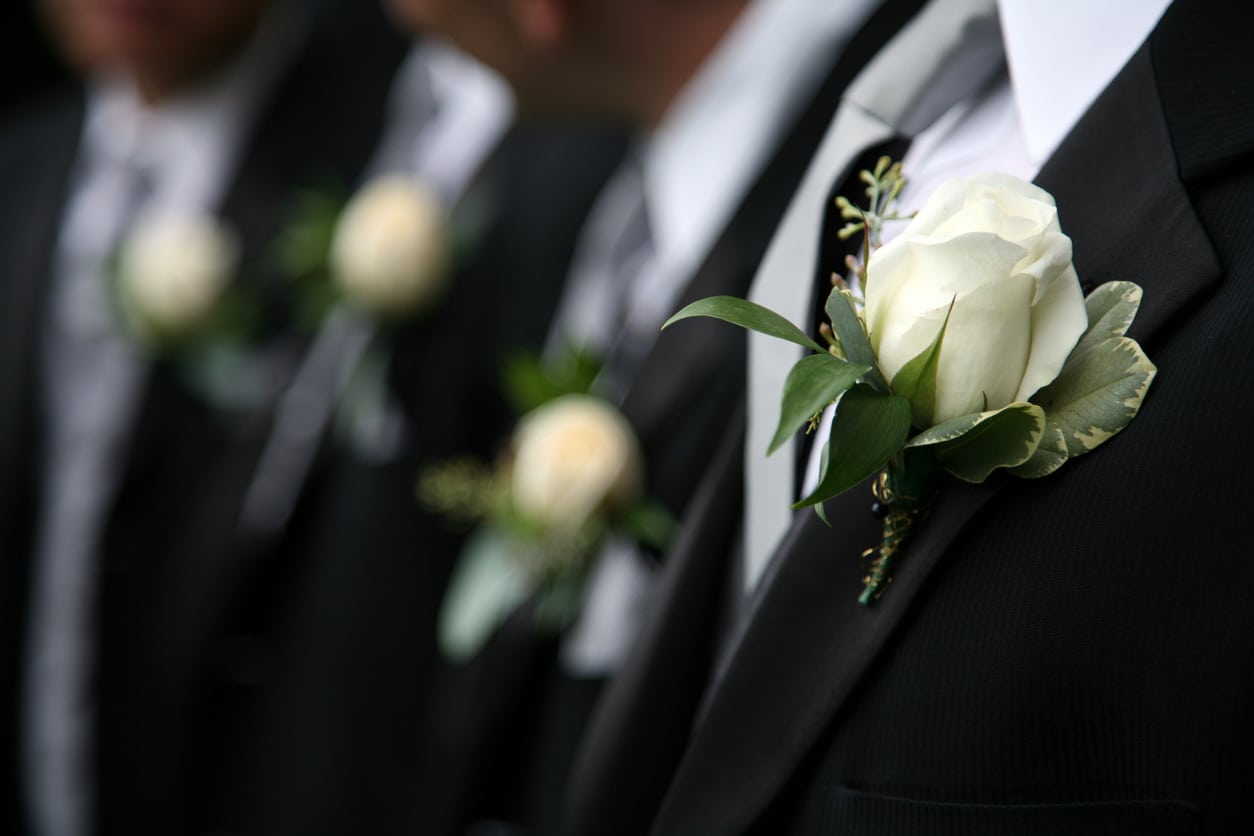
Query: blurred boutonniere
570	476
964	345
357	270
178	286
385	253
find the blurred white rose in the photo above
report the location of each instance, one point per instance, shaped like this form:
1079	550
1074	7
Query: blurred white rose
992	245
173	271
574	457
390	255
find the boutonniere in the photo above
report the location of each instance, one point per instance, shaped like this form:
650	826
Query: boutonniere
570	476
177	288
385	252
357	270
964	345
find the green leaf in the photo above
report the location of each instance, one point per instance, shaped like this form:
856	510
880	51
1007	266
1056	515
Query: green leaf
530	380
853	338
302	248
1050	454
1098	393
916	380
746	314
867	430
1111	309
649	523
487	585
558	602
1006	437
816	381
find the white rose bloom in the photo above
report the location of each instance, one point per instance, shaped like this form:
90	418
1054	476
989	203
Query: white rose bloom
573	457
390	254
992	245
174	269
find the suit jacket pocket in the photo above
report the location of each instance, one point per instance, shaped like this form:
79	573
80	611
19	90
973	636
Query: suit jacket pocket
857	813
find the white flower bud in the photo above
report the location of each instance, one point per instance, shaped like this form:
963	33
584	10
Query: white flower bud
574	457
174	269
991	247
390	255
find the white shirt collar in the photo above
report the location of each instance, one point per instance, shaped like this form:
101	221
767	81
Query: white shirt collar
470	109
716	135
1063	53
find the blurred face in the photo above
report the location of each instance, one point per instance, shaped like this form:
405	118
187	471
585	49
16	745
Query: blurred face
551	51
163	42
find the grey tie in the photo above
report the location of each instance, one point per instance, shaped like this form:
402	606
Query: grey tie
627	258
947	52
615	247
92	378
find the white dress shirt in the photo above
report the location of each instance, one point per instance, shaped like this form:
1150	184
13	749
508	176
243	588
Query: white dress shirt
1060	57
696	168
446	115
134	160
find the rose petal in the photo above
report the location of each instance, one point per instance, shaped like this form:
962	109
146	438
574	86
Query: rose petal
1058	322
986	346
912	275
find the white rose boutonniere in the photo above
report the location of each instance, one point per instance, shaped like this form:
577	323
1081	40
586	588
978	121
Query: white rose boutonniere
574	458
390	254
964	346
173	272
571	475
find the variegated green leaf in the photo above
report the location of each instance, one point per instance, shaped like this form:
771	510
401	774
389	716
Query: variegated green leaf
853	338
1005	437
916	380
1098	393
487	585
746	314
947	430
1111	309
1050	454
812	384
867	430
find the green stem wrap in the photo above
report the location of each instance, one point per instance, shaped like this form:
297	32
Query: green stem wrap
905	490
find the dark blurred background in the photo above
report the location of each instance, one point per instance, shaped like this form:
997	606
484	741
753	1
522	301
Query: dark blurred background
31	65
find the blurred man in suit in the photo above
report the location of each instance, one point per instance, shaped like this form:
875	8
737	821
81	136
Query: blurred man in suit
1043	662
119	477
728	99
348	720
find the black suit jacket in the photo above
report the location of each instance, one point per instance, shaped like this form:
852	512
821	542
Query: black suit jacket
172	586
1064	655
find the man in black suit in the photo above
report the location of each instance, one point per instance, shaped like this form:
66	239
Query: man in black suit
688	77
350	724
124	667
1054	655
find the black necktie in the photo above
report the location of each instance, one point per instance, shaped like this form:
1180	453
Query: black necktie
832	255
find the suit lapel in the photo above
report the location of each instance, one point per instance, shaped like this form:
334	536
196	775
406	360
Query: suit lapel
809	644
35	193
641	728
36	200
